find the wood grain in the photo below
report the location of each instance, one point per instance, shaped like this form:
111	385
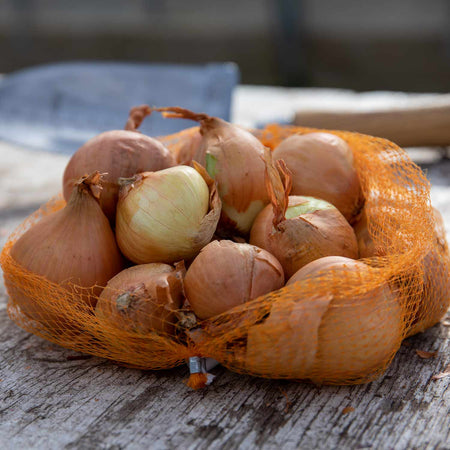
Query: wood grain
407	127
50	401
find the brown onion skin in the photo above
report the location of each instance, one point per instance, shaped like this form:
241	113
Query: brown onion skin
119	154
305	238
188	148
385	240
435	299
435	280
356	334
142	298
366	245
233	157
322	166
73	246
226	274
322	264
239	172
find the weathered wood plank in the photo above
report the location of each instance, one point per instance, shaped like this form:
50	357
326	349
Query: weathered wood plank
49	400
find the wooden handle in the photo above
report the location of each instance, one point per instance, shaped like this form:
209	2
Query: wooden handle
411	127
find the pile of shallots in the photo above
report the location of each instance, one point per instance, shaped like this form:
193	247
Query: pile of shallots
218	223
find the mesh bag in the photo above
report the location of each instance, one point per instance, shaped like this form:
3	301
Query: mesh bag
334	328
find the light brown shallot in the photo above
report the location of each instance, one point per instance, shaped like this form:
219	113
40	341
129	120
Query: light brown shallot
143	298
117	153
72	247
330	338
226	274
435	276
322	167
232	156
298	230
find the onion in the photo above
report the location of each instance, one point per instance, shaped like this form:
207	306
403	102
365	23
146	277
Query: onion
439	230
73	246
166	216
232	156
385	239
296	229
366	246
322	167
226	274
331	338
379	228
142	298
434	270
327	263
188	148
119	153
435	299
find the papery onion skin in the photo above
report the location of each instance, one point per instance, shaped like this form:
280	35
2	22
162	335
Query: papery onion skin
117	153
165	216
384	240
381	240
142	298
326	263
321	231
356	334
73	246
435	299
433	277
188	148
322	166
329	338
366	246
226	274
233	157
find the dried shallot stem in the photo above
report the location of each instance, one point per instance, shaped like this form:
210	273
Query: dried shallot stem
91	183
175	112
182	113
136	116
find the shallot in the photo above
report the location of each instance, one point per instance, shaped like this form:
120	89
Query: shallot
322	166
73	247
226	274
233	157
335	337
166	216
117	153
142	298
296	229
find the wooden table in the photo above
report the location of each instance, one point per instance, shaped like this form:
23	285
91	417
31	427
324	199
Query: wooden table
52	398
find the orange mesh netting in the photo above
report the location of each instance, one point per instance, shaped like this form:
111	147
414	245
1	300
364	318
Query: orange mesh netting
336	328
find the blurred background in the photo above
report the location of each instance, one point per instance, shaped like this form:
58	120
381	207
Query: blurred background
362	45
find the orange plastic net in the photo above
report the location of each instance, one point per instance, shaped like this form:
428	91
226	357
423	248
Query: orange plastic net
337	328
